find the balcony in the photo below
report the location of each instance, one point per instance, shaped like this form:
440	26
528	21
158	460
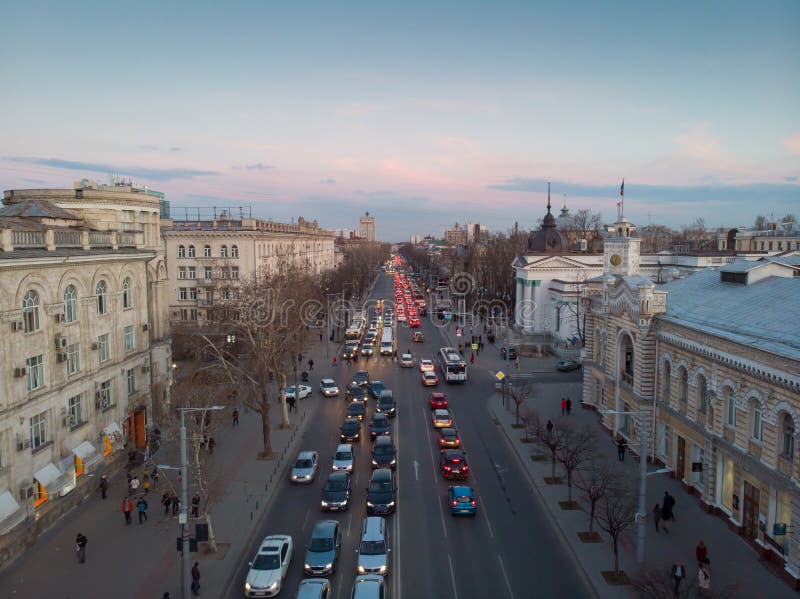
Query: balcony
627	378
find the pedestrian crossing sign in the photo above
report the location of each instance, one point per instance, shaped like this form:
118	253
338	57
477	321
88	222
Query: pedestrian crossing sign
500	375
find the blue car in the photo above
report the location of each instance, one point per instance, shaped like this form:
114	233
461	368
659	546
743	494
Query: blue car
375	388
461	501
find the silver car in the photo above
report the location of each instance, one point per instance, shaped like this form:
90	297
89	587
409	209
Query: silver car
305	467
373	551
328	388
343	458
369	586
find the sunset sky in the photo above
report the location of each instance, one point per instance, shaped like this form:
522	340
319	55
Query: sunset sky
422	113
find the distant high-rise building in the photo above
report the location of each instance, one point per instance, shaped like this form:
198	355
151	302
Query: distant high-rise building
366	227
456	236
476	233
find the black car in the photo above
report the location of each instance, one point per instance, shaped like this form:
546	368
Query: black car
355	409
350	430
386	404
336	492
380	426
361	378
355	393
508	353
384	455
381	493
453	463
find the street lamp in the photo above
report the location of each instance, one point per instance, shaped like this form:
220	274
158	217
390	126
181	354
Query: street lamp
642	512
183	517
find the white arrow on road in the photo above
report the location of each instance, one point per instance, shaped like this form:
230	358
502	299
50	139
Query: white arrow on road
416	469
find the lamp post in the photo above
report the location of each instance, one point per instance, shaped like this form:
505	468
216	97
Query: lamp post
642	511
183	517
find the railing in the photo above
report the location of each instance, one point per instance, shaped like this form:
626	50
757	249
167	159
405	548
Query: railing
28	239
99	238
627	377
67	238
126	239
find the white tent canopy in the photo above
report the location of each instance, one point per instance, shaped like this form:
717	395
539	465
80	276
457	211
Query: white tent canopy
11	513
87	452
51	478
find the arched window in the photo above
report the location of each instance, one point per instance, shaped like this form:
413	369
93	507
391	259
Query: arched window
666	383
756	424
702	394
181	251
102	297
70	304
234	251
127	294
730	408
787	448
30	311
223	251
191	251
206	251
684	388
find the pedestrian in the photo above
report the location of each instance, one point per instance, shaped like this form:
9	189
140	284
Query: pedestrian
127	509
549	427
516	363
669	503
394	355
175	502
701	552
207	421
195	505
211	445
196	579
678	574
141	508
80	547
334	361
166	501
203	441
569	406
290	401
563	405
155	476
472	358
320	337
310	364
656	515
134	486
621	448
129	476
103	486
146	482
235	417
704	581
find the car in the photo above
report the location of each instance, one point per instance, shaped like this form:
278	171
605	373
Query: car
367	349
508	352
437	401
386	404
328	388
429	379
453	463
373	550
336	492
343	458
413	321
355	393
350	351
418	337
355	409
567	365
461	500
401	316
305	467
369	586
384	454
322	551
269	566
361	378
375	388
314	588
448	437
442	419
380	425
426	365
350	430
303	392
406	361
381	492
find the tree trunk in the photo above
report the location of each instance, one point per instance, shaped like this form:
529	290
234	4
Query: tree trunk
267	450
553	451
212	541
516	402
591	515
569	485
616	555
282	396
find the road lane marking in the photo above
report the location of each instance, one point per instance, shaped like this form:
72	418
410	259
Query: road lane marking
485	517
433	465
452	577
505	577
416	469
349	523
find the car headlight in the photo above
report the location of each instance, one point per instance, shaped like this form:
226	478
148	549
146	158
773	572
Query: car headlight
324	503
247	586
370	504
374	463
390	504
273	586
393	462
361	569
328	566
382	569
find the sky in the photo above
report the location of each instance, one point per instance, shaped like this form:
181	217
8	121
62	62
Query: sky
422	113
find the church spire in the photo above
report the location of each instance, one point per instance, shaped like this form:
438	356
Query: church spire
548	197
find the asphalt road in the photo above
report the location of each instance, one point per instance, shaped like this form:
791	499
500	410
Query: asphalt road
508	550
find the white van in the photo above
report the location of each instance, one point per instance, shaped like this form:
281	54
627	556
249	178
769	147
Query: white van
387	341
373	551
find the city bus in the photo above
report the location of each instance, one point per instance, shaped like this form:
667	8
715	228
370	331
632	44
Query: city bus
387	341
454	368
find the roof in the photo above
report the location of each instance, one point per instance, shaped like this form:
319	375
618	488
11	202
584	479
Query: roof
37	209
743	266
764	315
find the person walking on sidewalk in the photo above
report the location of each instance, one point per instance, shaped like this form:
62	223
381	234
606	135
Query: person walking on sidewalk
569	406
196	579
154	475
516	363
127	509
211	445
334	361
668	507
141	508
146	482
704	581
166	501
290	401
103	486
472	358
563	405
80	547
175	502
195	505
621	448
134	486
235	416
678	574
656	515
549	427
310	364
701	553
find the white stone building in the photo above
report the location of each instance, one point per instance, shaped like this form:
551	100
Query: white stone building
366	227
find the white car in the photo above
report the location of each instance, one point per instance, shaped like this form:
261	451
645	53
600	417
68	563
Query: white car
305	467
328	388
304	391
343	458
369	586
426	366
269	566
442	419
406	361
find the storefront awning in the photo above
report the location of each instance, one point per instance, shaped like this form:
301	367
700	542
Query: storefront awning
51	478
87	452
11	513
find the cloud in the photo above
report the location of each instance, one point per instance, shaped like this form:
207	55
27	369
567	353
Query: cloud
699	143
793	143
175	149
139	172
148	148
328	181
791	179
258	166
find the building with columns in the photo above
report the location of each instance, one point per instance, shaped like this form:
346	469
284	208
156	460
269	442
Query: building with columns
709	366
366	227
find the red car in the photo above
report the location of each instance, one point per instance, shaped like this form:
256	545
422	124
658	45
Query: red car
438	401
413	321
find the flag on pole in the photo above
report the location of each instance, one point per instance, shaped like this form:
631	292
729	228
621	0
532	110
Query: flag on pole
622	189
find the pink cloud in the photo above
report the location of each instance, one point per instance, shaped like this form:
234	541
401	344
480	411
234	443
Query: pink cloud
793	143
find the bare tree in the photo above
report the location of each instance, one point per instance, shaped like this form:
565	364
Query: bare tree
552	439
584	224
576	448
617	513
519	393
760	223
594	481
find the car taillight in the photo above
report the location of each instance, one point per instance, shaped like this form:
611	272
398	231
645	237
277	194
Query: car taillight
442	441
455	503
473	503
447	468
465	468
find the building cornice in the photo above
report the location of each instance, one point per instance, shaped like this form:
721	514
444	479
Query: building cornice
55	261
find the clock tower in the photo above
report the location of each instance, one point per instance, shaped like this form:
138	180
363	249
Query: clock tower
621	250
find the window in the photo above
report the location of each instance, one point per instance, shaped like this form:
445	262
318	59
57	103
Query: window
234	251
193	314
73	358
75	410
182	292
191	251
30	311
684	388
35	367
234	272
702	394
128	336
207	274
787	449
730	408
206	251
104	395
666	383
102	347
102	298
192	293
558	318
130	375
70	304
755	420
223	251
39	431
127	295
181	251
192	272
181	272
